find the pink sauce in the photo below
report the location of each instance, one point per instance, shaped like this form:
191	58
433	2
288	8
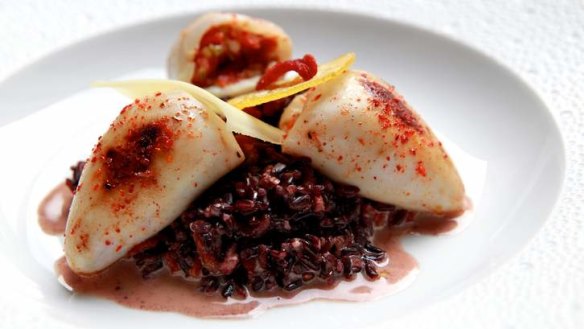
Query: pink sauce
123	284
54	209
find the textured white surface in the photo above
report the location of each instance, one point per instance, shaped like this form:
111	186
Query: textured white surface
541	41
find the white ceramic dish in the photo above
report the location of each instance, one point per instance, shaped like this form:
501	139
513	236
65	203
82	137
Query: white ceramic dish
511	149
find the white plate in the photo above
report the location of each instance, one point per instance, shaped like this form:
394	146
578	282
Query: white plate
504	129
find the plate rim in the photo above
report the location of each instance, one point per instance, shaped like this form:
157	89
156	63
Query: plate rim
509	72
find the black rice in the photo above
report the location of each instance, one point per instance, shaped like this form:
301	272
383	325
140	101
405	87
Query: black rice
273	223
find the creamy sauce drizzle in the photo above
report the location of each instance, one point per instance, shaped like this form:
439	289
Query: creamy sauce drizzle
123	284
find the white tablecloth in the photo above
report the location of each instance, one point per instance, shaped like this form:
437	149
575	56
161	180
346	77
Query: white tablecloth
542	41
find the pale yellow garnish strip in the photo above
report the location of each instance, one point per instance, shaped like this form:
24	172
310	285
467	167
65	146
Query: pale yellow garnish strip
326	72
237	121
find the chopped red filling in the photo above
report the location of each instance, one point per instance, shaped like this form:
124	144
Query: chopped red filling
227	54
306	67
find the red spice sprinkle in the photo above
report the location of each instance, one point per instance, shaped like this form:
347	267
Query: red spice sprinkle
75	226
312	135
118	248
126	108
361	141
399	168
108	242
306	67
420	169
97	146
394	111
84	239
134	157
158	94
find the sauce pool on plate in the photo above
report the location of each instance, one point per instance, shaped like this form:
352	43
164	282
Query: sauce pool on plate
124	284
